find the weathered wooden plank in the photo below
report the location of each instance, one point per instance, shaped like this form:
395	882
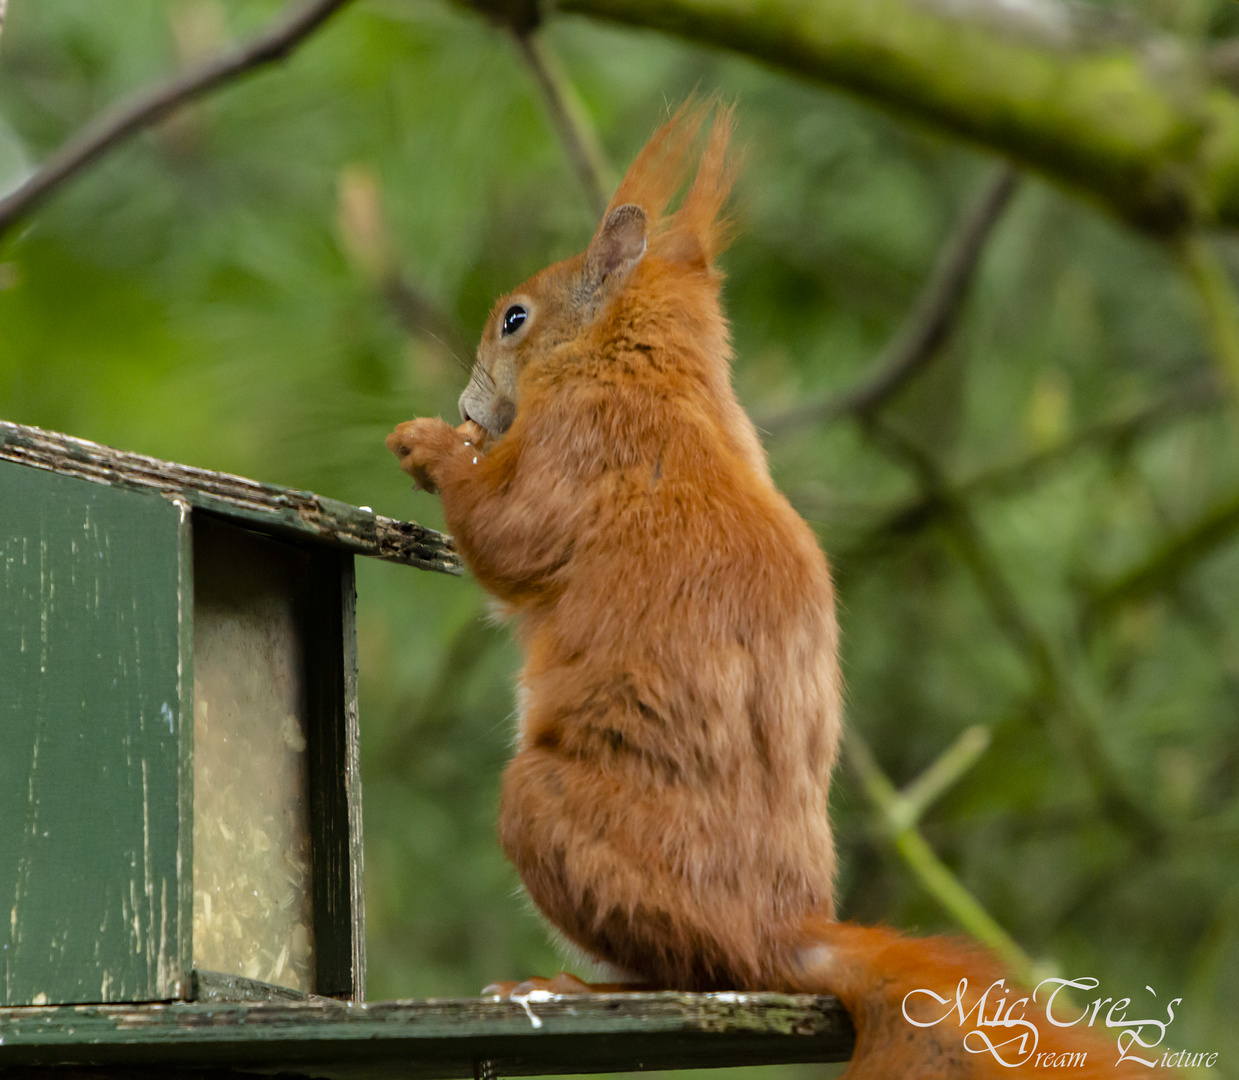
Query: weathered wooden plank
435	1038
185	758
93	700
335	776
274	508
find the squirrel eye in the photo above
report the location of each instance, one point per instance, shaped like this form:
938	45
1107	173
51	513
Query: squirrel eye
512	320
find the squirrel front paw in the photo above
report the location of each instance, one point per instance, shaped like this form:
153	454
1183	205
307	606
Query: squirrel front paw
424	446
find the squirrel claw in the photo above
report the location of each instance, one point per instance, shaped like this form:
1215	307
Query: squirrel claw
563	983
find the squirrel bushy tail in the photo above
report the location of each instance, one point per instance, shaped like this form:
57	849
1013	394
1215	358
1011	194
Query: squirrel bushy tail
936	1008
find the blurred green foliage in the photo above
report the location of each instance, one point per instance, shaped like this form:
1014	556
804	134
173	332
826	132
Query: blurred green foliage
221	292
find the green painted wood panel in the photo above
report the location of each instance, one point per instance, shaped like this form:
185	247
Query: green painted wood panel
94	665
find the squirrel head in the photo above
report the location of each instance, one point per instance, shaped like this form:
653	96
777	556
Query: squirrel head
563	305
549	310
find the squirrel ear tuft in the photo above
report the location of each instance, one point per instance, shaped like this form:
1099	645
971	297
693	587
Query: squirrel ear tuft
618	245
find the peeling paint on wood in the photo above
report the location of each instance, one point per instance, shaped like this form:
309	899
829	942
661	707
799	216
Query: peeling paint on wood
91	707
273	508
97	647
425	1039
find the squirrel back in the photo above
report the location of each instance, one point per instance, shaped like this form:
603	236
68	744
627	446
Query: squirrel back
680	702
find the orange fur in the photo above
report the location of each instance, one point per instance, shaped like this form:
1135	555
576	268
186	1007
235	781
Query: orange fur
680	698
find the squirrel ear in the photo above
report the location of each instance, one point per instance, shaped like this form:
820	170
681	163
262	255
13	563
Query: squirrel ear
618	245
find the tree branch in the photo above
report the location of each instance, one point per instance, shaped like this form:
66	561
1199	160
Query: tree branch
1169	562
1217	303
1053	90
927	327
1193	397
420	315
569	119
1067	718
366	240
944	772
933	874
126	118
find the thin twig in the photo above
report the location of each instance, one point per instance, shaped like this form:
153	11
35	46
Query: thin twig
569	118
945	771
933	874
127	117
1067	717
4	10
1193	397
927	327
1163	568
420	315
367	240
1217	302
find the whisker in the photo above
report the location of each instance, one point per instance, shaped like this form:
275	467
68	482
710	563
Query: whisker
463	364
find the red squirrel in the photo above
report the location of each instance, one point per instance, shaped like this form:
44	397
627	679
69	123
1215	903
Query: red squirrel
680	701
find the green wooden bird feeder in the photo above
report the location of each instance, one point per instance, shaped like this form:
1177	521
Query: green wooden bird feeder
180	805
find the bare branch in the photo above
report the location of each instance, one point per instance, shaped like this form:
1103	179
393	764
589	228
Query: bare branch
1193	397
126	118
926	328
569	119
945	771
420	315
921	859
1165	566
4	10
1190	399
1218	306
1067	718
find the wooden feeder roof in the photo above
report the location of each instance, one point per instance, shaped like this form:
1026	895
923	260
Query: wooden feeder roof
274	509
